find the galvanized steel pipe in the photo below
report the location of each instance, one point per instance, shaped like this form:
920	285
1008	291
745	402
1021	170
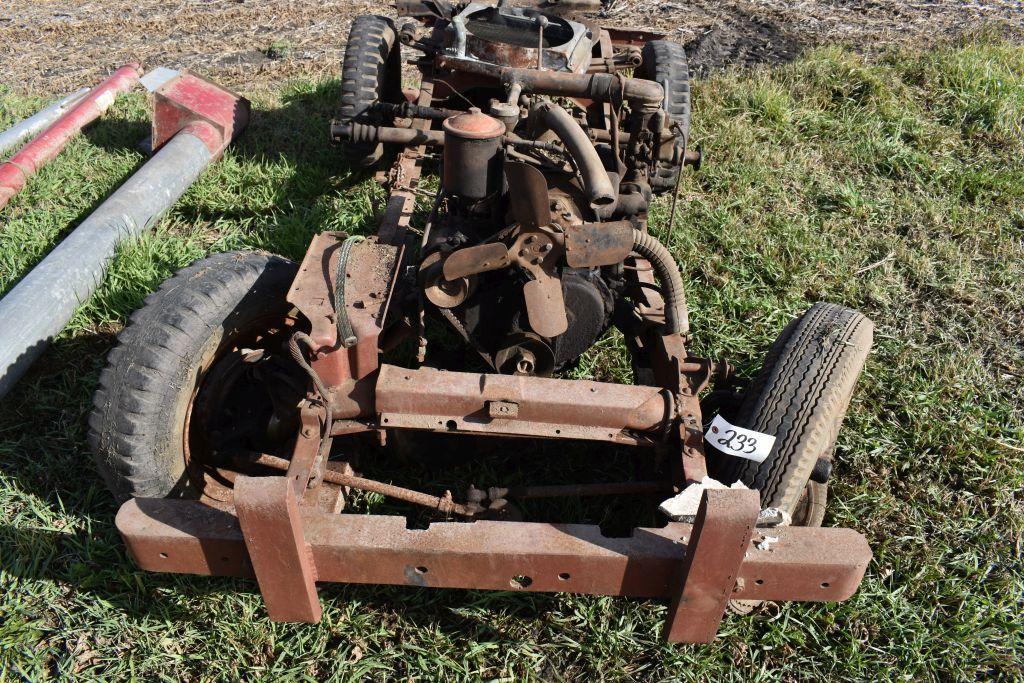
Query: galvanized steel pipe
15	172
23	130
39	306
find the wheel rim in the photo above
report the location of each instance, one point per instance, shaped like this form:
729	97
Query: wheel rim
239	404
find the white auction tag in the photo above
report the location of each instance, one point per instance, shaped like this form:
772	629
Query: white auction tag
743	443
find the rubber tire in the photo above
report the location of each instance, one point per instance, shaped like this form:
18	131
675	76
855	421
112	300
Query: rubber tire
136	429
801	397
665	62
370	73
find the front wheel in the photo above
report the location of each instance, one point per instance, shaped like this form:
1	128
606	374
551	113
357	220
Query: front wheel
801	397
197	375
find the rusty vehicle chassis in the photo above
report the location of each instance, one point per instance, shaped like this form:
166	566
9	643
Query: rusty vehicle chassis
285	531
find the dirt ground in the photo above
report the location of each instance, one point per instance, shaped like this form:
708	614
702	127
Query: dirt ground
54	46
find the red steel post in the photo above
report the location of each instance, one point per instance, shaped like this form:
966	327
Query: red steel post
15	172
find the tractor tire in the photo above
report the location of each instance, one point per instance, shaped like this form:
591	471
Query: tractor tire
665	62
138	429
370	73
801	397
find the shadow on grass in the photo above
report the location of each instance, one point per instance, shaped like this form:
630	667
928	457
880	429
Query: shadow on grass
295	133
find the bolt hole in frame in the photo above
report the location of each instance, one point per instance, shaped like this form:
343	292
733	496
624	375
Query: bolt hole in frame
521	581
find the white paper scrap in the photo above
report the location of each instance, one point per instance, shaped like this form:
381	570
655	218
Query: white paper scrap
682	507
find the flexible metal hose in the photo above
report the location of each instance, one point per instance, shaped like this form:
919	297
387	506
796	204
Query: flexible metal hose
300	360
346	335
676	318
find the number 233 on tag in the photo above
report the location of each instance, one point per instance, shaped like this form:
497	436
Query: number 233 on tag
743	443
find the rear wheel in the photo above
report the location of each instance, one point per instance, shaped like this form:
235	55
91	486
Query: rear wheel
196	375
370	73
665	62
801	397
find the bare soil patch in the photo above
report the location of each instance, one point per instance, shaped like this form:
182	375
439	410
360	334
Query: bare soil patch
53	46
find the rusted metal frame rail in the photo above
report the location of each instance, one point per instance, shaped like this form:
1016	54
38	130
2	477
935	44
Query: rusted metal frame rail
667	356
402	197
699	567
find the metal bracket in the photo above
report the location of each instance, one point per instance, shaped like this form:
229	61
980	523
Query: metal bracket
305	469
720	538
188	99
268	513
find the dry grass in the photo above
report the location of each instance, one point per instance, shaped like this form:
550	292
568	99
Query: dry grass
56	46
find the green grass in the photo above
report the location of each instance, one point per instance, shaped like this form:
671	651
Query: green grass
895	187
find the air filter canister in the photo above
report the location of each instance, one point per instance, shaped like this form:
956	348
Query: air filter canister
472	160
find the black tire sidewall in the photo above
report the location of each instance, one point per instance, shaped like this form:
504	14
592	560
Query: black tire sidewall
137	429
807	412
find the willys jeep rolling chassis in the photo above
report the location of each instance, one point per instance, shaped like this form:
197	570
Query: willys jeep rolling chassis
230	410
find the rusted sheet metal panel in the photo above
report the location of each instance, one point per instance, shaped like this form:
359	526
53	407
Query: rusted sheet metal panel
189	537
311	290
458	401
589	245
370	275
624	35
268	514
720	536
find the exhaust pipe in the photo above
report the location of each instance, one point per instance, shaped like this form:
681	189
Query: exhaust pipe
41	304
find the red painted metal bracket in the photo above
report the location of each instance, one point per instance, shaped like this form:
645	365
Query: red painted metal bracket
210	112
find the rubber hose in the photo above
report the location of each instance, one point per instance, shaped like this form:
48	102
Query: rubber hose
676	317
596	183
